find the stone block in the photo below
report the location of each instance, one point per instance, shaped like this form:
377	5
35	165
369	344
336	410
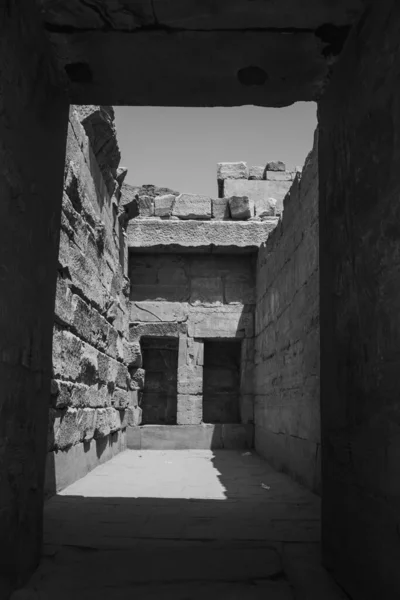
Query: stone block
241	207
195	352
94	396
86	420
266	207
220	209
137	378
279	176
192	206
89	371
148	311
67	430
67	351
163	205
256	172
258	190
132	354
207	291
237	235
219	322
190	410
133	416
62	310
145	205
138	330
81	318
62	396
104	367
113	418
123	378
277	165
133	437
102	426
173	437
233	170
121	399
190	379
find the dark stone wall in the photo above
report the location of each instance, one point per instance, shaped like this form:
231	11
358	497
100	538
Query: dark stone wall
359	158
33	124
93	397
287	412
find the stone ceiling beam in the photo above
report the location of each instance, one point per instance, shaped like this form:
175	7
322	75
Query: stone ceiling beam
197	53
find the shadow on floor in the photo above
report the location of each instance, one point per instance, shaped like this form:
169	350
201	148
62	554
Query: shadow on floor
181	524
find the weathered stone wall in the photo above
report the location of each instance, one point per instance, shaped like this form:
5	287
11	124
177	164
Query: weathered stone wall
33	123
195	297
262	188
92	397
359	157
287	414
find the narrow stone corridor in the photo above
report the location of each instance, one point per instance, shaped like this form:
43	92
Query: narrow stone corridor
182	525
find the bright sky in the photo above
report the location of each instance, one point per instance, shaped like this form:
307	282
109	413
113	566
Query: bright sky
179	148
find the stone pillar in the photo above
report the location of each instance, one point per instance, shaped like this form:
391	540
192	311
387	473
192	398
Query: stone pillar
190	381
33	125
359	165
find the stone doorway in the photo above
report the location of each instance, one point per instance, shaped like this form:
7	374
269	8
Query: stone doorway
221	381
159	399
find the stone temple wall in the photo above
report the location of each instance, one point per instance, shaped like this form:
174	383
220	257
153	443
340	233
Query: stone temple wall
287	401
265	187
196	298
93	397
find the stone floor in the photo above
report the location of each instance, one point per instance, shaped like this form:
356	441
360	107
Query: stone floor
182	525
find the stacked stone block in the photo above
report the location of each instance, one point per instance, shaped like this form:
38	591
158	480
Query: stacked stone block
254	193
264	187
93	395
195	298
287	406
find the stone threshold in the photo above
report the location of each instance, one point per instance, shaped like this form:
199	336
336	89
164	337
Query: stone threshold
191	437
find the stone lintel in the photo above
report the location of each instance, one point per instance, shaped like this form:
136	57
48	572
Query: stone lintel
202	235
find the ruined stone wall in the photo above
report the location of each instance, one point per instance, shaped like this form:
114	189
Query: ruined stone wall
265	187
92	395
359	157
287	413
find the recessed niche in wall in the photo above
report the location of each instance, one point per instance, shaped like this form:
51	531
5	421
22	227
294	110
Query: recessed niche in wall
221	381
160	362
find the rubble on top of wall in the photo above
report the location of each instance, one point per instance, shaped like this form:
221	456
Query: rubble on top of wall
245	193
265	186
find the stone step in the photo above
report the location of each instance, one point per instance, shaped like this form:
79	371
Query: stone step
186	437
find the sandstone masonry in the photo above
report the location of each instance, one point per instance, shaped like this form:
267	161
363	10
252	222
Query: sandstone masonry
93	397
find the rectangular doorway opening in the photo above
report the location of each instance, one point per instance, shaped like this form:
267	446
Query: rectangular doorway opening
160	362
221	381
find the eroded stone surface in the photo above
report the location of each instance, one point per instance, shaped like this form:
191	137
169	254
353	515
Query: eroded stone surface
241	207
163	205
236	170
192	206
158	234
